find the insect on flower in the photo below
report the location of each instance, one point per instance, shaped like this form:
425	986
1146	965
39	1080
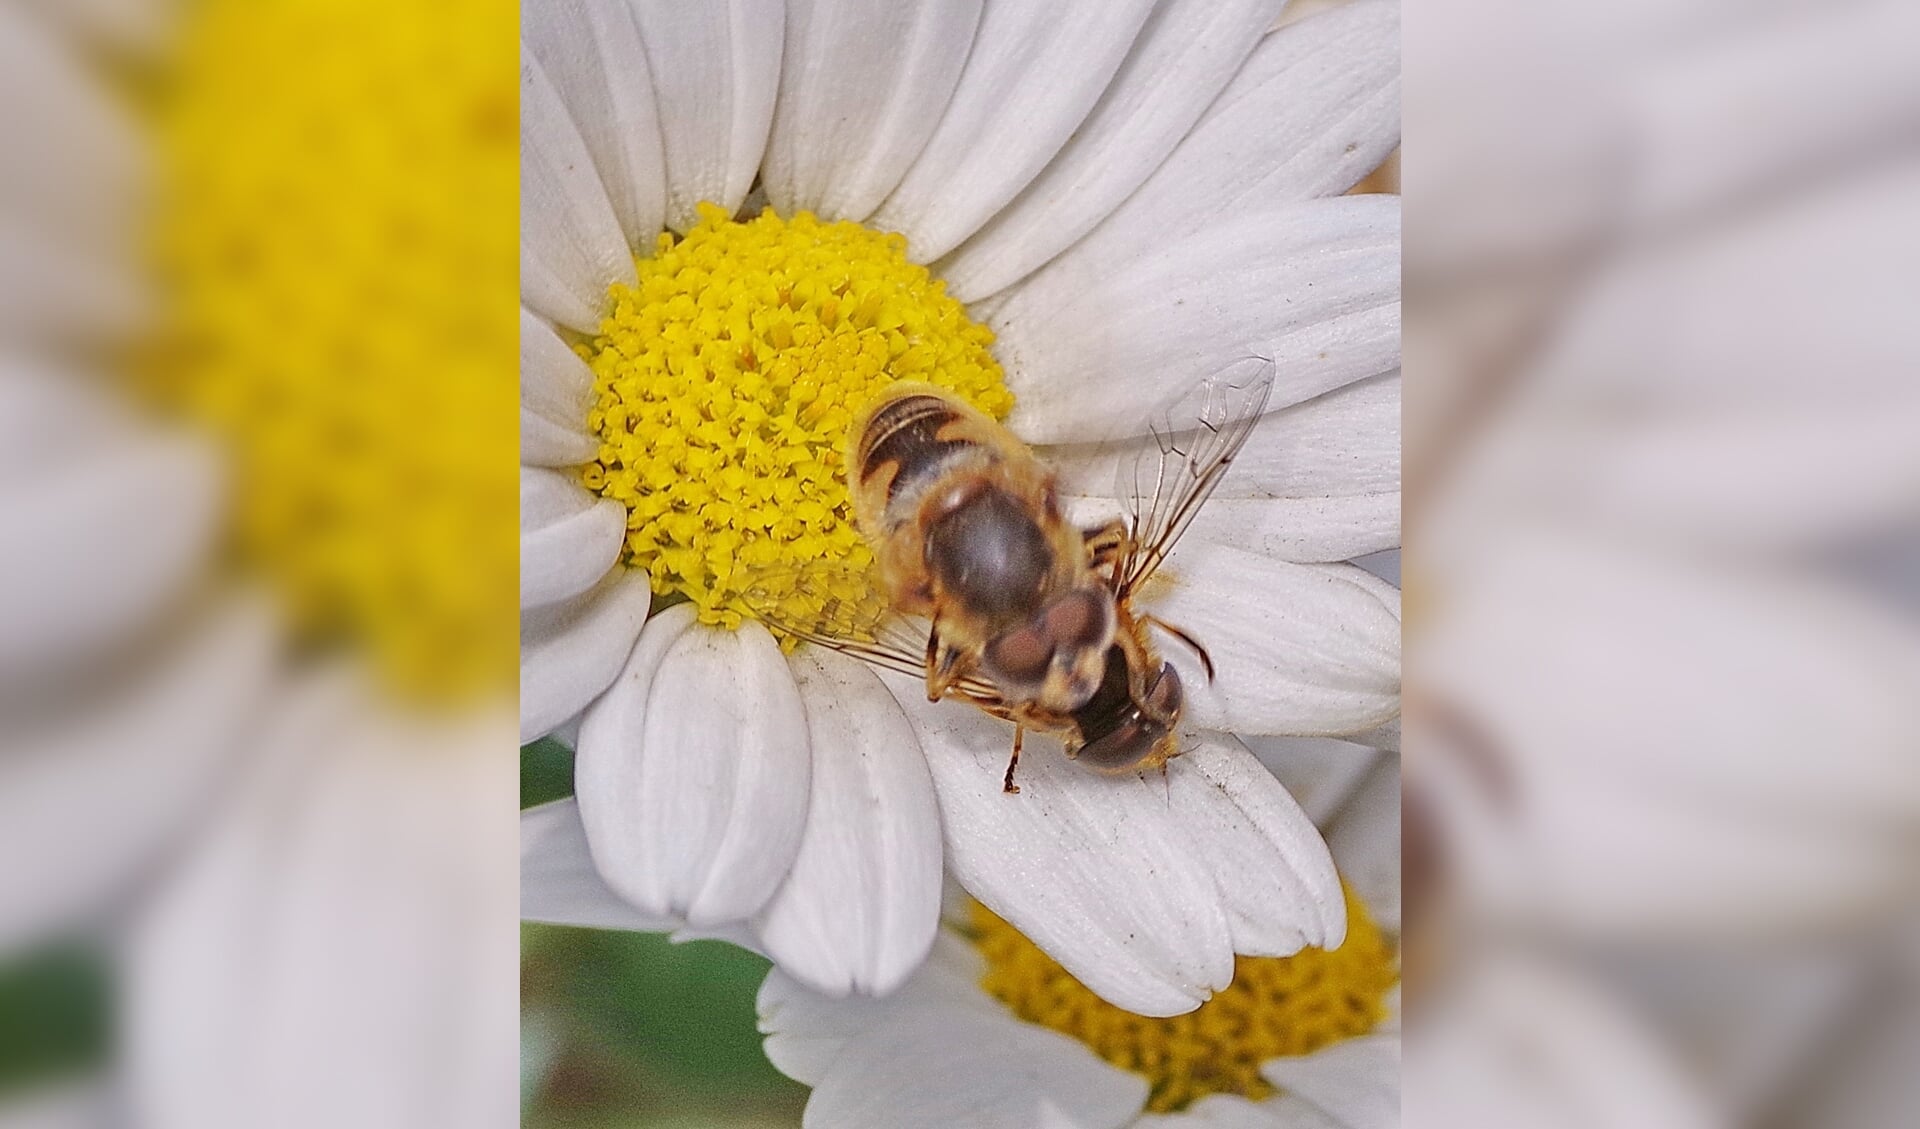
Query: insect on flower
983	586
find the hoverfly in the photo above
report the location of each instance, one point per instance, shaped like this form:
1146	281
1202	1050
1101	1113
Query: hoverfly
1026	616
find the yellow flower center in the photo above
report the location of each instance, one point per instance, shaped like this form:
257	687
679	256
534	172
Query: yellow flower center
1275	1006
728	378
338	241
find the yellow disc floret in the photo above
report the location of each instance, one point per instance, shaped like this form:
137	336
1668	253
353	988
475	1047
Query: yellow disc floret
1275	1006
727	380
337	238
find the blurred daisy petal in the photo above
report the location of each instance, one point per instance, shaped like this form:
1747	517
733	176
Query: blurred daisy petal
571	248
1035	71
928	1069
1322	773
568	538
716	69
591	50
88	801
570	652
1137	920
558	883
1270	866
1183	56
556	389
1355	1082
860	907
862	85
693	771
1227	1111
1298	649
71	528
1093	347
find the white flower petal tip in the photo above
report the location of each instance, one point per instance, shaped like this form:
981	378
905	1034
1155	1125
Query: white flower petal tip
1273	872
693	771
1314	110
1018	1076
568	538
556	390
558	884
859	910
591	50
1322	773
571	247
1034	72
1093	348
1183	56
1297	649
570	652
716	71
1365	841
1356	1082
1095	870
862	85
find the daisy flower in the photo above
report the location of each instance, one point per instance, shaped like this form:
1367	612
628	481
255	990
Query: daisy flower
992	1032
1067	214
261	642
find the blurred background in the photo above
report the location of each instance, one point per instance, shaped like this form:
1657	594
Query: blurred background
1662	432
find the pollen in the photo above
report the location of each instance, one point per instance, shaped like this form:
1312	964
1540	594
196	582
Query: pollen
1275	1006
336	236
727	380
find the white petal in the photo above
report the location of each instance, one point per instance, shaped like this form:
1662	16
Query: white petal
1093	347
91	796
716	68
1356	1082
591	50
1345	442
75	156
1093	869
806	1031
1312	530
343	932
934	1069
859	909
556	389
1229	1111
95	544
1309	650
568	538
569	652
862	85
1316	108
558	883
1366	843
571	246
1185	54
1035	71
1320	772
693	771
1272	870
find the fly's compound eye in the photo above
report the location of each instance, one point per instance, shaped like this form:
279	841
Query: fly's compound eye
1124	748
1022	654
1080	619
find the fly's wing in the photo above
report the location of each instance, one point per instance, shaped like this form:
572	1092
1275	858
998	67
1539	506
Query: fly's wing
843	608
1194	442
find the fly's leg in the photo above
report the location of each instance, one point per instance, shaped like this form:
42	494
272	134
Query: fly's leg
1105	543
1008	786
943	665
1206	660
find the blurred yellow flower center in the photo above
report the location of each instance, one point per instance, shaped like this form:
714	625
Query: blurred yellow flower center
727	380
1275	1006
338	241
